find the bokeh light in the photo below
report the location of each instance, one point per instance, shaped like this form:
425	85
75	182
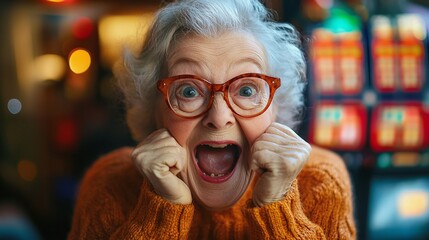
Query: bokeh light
82	28
14	106
49	67
79	60
413	203
117	30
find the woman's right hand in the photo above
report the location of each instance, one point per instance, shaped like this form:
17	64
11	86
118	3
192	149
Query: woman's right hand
160	158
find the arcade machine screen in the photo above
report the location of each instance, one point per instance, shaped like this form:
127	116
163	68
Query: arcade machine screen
339	126
337	63
399	127
399	208
398	54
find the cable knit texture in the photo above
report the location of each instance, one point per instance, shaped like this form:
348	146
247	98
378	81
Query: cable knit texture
116	202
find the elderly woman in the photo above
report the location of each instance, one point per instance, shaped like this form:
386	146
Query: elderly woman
212	97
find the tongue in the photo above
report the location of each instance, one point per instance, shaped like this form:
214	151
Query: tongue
216	160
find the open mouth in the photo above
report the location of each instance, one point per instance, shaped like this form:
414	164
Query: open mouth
216	162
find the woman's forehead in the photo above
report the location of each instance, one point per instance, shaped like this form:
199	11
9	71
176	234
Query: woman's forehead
232	48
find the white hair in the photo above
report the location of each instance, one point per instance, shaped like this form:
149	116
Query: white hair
137	74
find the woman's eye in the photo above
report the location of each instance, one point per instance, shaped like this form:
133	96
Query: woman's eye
246	91
189	92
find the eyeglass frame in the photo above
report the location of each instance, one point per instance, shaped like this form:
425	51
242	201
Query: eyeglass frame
164	84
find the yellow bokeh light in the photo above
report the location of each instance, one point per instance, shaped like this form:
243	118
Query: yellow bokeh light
79	60
27	170
413	203
49	67
115	31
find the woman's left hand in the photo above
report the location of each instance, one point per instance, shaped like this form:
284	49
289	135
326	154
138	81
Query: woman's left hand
278	155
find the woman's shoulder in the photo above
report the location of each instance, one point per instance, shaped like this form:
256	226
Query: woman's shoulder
113	162
108	191
120	157
112	169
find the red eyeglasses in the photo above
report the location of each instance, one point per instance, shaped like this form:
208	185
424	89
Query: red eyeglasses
247	95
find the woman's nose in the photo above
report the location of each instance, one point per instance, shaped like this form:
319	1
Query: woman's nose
220	115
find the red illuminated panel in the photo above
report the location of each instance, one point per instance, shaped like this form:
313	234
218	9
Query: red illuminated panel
323	62
384	64
383	54
411	58
399	127
339	126
411	36
351	63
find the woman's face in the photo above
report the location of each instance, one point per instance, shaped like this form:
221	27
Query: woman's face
217	143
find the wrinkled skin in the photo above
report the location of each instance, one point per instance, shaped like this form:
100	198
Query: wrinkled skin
271	150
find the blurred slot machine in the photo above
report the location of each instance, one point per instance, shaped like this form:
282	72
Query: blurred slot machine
398	54
339	114
398	198
338	78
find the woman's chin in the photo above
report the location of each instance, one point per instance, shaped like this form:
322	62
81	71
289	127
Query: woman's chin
219	196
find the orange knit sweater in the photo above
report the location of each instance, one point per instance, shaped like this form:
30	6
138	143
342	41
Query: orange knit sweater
116	202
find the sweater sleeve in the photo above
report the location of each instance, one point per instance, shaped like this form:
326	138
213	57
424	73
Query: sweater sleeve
318	205
115	202
282	220
330	202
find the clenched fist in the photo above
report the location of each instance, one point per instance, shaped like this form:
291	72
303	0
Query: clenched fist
278	155
160	158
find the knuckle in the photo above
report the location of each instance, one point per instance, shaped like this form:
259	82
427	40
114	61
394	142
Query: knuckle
262	154
306	146
306	151
135	153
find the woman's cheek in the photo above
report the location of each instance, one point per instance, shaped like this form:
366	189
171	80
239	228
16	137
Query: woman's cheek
255	127
179	128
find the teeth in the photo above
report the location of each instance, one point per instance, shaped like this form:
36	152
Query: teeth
218	145
214	175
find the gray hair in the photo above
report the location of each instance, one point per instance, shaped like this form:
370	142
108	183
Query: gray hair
137	75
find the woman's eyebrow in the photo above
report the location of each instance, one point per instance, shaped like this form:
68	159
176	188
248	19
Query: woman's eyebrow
190	63
184	60
259	62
